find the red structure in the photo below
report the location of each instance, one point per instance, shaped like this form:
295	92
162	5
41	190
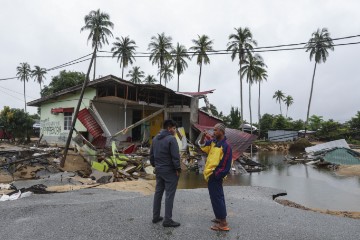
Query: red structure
206	120
90	123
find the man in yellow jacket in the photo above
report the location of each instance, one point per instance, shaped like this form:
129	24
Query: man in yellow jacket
218	164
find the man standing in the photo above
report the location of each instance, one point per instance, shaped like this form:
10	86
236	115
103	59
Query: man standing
165	157
217	166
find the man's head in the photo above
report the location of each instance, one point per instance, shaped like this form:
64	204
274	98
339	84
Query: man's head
219	131
170	125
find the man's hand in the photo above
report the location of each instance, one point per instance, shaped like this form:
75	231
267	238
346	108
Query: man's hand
178	171
202	140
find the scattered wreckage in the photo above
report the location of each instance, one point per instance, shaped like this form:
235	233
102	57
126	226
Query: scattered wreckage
330	154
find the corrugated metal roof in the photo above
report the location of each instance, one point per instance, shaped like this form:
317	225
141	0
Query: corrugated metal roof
342	156
238	140
341	143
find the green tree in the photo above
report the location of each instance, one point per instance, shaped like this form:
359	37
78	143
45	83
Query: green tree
315	122
201	46
279	97
266	123
254	70
354	123
160	48
167	72
233	119
150	79
62	81
23	74
39	75
288	102
18	122
135	75
180	56
124	50
298	125
241	43
99	24
213	110
280	122
318	46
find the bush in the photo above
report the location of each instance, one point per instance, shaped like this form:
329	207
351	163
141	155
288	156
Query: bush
300	145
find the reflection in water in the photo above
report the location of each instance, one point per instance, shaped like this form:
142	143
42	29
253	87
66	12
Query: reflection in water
306	185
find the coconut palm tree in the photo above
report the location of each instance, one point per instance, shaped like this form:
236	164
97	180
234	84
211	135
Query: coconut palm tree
254	70
98	23
288	101
39	75
318	46
241	43
279	97
124	49
135	75
167	72
261	76
150	79
179	60
160	48
201	46
23	74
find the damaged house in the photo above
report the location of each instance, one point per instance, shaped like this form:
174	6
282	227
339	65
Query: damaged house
115	109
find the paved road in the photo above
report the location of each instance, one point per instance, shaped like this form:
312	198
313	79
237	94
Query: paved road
105	214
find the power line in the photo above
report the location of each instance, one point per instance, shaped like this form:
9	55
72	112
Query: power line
211	52
17	92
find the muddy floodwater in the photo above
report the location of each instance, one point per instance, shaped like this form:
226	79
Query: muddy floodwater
304	184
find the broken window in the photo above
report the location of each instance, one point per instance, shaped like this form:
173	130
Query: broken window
67	120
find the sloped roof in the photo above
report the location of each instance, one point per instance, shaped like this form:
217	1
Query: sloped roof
342	156
94	83
341	143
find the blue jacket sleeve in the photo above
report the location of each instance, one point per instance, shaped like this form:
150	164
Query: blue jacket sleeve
152	159
175	155
225	163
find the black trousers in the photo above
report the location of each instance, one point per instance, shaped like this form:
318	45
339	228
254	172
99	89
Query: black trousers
165	182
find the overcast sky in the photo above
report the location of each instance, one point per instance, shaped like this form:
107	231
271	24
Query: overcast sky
47	33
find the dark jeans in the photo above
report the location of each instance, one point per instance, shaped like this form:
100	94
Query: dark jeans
217	197
167	182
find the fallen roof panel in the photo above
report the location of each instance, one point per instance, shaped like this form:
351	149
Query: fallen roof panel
342	156
238	140
341	143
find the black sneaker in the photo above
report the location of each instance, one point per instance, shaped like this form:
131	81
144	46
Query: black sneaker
156	220
170	223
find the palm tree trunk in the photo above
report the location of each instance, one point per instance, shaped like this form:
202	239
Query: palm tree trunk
280	107
287	109
161	67
199	77
259	116
122	72
24	95
94	66
311	91
241	99
251	130
178	83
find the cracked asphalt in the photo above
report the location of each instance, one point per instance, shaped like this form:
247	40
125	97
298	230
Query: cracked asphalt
105	214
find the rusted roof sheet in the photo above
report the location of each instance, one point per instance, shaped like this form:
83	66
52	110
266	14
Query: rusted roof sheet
238	140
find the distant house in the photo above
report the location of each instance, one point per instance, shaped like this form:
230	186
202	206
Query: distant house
282	135
111	104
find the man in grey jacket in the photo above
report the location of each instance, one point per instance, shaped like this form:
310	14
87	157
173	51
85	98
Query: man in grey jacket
165	157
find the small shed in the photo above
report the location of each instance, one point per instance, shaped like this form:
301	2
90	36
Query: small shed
282	135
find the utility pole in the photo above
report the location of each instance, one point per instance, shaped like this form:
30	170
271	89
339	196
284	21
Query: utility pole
62	163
